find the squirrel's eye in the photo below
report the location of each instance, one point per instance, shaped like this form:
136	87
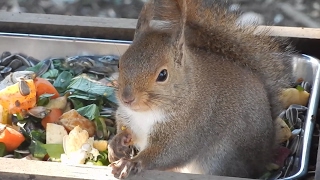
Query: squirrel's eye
162	76
118	65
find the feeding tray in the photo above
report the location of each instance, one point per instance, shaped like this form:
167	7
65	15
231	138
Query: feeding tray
43	46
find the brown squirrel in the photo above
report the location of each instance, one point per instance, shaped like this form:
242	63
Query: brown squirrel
198	92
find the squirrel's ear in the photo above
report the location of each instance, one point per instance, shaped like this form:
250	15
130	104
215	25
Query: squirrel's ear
167	16
162	15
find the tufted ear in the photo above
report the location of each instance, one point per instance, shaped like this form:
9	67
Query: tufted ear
162	15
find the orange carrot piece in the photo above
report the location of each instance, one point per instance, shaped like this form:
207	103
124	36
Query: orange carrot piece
43	86
53	116
11	138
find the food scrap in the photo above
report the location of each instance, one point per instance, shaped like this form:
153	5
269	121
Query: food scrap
58	109
10	137
294	96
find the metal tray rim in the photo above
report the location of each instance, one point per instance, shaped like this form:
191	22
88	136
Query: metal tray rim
63	38
311	112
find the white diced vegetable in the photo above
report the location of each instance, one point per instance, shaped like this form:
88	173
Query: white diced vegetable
55	133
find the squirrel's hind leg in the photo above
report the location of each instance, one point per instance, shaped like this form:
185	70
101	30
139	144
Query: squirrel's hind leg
223	163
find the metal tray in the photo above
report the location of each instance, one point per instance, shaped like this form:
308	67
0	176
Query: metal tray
42	47
308	68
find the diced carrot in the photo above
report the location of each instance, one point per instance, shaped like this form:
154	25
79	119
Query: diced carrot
10	137
43	86
53	116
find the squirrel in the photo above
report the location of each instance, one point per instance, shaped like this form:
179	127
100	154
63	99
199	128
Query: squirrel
198	92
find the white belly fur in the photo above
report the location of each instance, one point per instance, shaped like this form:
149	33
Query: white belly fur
141	124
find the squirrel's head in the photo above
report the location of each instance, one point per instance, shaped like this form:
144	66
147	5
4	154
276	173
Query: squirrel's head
152	72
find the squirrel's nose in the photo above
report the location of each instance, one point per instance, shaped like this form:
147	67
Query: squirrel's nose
127	95
128	99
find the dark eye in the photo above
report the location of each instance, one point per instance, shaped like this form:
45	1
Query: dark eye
162	76
118	65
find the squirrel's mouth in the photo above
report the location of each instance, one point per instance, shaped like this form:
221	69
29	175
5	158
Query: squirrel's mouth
138	106
136	102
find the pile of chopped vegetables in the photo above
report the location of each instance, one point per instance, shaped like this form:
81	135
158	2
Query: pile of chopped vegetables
59	109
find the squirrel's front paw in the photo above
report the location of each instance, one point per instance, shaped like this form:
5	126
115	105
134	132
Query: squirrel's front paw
122	168
120	147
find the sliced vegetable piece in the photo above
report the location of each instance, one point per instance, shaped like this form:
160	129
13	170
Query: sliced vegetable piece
72	118
55	134
58	103
74	141
291	96
10	137
43	86
101	145
5	117
12	100
52	117
54	150
3	150
37	150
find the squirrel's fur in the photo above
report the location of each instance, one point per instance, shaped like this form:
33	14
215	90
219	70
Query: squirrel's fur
214	113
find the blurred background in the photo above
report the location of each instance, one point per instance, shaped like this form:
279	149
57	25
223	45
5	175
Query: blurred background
295	13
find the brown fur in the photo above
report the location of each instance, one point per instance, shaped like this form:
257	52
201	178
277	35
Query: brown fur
222	93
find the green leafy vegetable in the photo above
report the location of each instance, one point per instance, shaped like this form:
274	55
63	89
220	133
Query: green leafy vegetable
103	158
54	150
40	150
300	88
35	68
62	81
83	83
52	73
112	98
83	96
76	103
38	135
91	111
44	99
101	127
3	151
37	150
112	130
57	62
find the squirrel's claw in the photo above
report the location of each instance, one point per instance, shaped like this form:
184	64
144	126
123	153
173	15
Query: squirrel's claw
122	168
